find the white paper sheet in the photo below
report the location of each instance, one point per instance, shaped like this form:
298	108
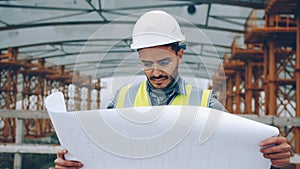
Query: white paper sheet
162	137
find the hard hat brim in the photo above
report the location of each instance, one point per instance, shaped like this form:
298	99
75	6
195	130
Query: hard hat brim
146	40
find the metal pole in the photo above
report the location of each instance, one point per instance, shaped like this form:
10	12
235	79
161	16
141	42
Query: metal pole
19	140
297	129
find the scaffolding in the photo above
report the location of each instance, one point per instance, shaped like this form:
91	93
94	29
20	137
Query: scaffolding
29	82
264	69
219	84
9	70
235	71
252	56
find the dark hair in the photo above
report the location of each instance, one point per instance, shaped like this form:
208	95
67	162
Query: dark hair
176	46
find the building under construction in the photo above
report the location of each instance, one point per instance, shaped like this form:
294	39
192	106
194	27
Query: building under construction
250	56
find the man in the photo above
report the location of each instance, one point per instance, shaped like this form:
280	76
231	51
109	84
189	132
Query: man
157	37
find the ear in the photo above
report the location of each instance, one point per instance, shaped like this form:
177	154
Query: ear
180	54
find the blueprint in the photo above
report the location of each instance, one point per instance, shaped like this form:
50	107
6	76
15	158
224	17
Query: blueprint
159	137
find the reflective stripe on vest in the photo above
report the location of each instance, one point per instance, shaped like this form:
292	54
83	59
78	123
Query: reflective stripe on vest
136	95
121	96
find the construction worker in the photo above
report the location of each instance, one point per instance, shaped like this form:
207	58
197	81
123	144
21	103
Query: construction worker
158	39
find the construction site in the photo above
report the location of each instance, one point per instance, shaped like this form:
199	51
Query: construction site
255	72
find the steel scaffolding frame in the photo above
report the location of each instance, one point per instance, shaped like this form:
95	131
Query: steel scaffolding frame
271	64
30	82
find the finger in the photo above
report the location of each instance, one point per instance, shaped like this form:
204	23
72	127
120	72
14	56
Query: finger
62	167
285	155
280	162
273	140
60	163
61	154
281	148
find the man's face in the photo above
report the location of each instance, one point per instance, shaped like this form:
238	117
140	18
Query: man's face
160	65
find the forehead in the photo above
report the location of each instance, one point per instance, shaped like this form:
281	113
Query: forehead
158	52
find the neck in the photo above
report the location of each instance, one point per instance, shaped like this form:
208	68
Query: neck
162	96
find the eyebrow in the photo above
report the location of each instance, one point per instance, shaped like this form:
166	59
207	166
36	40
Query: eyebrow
164	59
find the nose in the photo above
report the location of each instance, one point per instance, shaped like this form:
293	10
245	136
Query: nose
155	66
156	71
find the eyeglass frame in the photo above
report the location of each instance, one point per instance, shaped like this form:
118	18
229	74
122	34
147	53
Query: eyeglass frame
157	64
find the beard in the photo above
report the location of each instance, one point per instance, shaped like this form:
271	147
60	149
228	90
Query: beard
159	77
164	78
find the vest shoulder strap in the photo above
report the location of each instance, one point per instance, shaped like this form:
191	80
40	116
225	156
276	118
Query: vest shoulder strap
121	96
181	99
200	97
136	95
141	96
206	94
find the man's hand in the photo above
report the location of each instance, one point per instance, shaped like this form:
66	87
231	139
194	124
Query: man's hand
277	150
61	163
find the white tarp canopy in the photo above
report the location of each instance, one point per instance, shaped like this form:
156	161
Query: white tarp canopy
94	36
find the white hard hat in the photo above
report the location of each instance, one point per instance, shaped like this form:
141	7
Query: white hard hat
155	28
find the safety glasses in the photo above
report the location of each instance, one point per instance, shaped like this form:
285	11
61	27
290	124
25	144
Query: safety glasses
163	64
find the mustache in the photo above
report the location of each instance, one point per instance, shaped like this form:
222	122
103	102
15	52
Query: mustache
158	77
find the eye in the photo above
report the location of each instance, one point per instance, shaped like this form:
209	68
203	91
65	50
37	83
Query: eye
164	63
147	64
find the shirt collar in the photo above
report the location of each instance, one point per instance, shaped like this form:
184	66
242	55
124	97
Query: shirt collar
181	86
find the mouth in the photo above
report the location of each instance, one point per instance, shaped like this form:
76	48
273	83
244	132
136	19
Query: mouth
158	80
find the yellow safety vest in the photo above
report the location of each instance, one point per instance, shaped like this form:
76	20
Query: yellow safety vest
136	95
